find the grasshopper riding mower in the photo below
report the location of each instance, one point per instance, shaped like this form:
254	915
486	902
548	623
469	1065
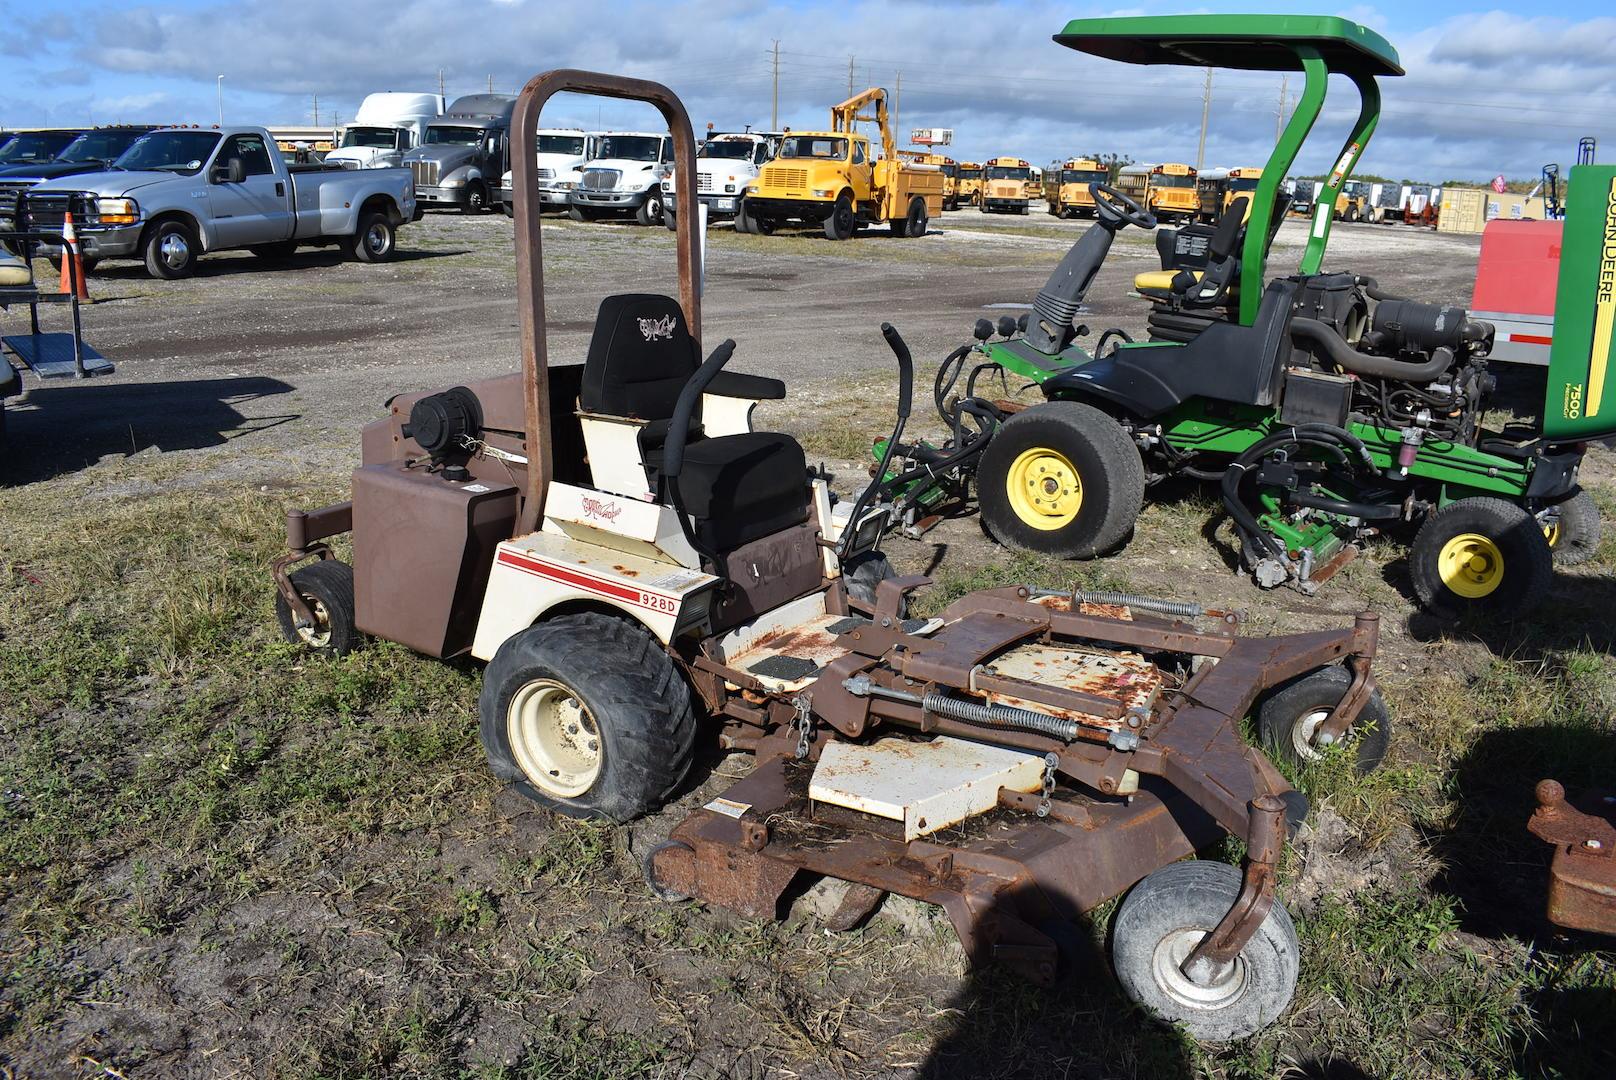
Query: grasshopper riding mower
635	563
1326	409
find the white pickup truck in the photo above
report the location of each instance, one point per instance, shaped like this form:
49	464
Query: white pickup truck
725	164
561	154
178	193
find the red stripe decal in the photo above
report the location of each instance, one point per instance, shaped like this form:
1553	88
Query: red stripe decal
1531	339
574	578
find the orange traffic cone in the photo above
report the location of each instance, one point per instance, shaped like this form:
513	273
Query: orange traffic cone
77	275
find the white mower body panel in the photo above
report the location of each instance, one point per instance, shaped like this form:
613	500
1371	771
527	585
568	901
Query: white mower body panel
534	574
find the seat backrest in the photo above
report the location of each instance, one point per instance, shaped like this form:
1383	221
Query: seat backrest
639	359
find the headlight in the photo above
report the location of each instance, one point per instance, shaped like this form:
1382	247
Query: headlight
824	193
565	185
667	186
452	183
751	189
117	211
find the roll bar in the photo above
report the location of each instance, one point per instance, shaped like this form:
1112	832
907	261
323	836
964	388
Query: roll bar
529	250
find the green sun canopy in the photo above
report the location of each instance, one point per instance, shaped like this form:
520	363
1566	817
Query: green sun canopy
1249	42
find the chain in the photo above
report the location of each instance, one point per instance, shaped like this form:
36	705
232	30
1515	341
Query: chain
1050	761
804	724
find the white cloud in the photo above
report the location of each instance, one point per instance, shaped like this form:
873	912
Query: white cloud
1485	93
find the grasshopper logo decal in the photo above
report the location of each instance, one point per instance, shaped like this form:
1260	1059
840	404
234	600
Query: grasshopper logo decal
652	329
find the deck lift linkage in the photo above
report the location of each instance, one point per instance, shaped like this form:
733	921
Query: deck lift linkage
634	563
1326	409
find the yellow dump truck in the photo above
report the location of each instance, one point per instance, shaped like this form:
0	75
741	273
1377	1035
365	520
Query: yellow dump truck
1168	191
1067	189
968	187
833	179
1005	182
1215	189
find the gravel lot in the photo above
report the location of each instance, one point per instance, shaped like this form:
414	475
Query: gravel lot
285	363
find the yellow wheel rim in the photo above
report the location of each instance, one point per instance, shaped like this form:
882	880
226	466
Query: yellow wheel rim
1471	565
1044	489
1551	533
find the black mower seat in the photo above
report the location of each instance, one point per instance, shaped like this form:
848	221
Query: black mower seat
738	488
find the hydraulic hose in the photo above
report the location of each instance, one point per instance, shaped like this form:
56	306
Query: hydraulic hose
1320	334
1326	436
906	369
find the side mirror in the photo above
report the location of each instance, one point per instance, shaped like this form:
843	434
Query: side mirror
231	172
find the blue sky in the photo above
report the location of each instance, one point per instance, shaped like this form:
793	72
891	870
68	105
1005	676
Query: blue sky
1487	91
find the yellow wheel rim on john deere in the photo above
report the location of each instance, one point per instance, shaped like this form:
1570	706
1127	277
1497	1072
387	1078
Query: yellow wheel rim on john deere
1471	565
1551	533
1044	489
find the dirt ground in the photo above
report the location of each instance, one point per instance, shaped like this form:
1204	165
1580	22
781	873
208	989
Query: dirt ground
219	859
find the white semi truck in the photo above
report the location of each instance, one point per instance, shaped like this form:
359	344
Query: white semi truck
624	177
561	155
386	125
726	163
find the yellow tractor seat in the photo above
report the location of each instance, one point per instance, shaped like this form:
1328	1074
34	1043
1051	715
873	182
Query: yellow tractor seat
13	271
1160	280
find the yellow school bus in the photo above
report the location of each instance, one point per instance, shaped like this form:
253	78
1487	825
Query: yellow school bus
949	167
968	187
1006	185
1217	188
1168	190
1067	188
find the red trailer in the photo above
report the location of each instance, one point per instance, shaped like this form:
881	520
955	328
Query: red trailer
1515	285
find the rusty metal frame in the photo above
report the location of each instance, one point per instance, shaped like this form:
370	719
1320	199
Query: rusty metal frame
1046	857
1582	876
306	531
530	255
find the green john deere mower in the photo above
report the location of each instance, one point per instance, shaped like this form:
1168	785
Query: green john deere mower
1326	409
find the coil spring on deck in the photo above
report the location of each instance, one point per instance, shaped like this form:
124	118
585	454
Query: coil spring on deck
1180	608
1002	716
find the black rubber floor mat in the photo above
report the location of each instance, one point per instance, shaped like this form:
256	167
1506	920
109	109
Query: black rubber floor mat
842	626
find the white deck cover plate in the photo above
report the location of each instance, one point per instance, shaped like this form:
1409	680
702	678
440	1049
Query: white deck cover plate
926	785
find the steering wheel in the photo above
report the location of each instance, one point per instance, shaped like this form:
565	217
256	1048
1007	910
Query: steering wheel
1118	208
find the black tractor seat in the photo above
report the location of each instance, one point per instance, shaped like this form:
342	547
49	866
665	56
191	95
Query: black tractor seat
737	488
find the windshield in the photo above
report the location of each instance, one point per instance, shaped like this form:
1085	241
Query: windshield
453	136
382	138
571	145
1006	172
1083	176
969	174
814	146
1243	183
1169	180
170	151
630	147
35	147
731	150
99	146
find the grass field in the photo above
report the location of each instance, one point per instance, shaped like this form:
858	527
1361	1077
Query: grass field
220	857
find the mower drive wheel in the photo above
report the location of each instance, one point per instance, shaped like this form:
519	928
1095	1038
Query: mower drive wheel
1572	529
327	587
587	714
1289	717
1159	924
1062	479
1480	556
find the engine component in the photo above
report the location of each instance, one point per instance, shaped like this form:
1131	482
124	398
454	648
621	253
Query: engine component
1410	326
439	423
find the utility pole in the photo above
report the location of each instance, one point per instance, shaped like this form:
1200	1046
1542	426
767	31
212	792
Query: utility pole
440	82
1206	111
1279	117
849	76
774	117
316	110
490	84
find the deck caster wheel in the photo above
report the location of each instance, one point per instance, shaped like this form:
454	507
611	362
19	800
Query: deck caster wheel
648	867
327	587
1288	720
1161	922
1061	479
586	714
1480	556
1572	529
